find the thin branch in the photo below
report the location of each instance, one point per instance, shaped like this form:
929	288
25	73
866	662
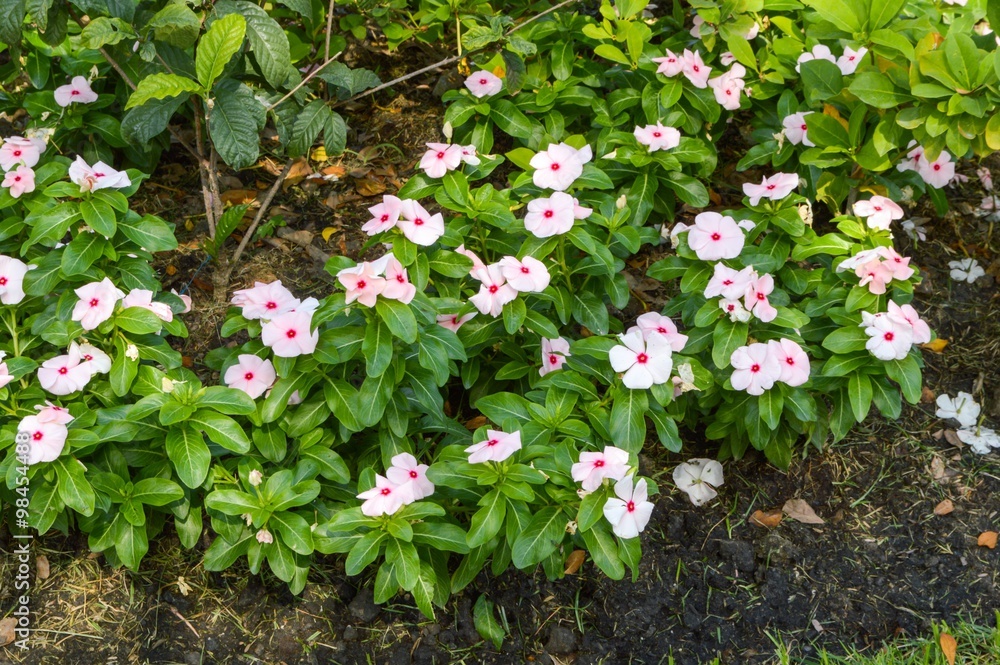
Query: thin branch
301	83
264	205
329	31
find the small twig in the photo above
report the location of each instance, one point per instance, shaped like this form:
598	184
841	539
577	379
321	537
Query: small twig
305	80
186	622
329	31
264	205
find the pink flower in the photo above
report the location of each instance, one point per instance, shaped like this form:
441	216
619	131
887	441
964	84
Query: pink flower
494	292
756	301
12	272
985	178
559	165
875	275
144	298
728	282
497	447
77	91
728	86
185	299
938	173
914	158
795	129
453	322
20	180
699	28
593	467
477	262
250	374
819	52
698	478
383	499
384	215
756	368
483	84
628	511
552	216
19	150
98	176
694	69
907	314
290	334
409	478
96	304
849	62
97	361
264	537
418	225
529	275
735	310
441	158
859	259
657	137
580	212
654	322
898	265
792	360
645	362
774	188
46	440
66	374
554	355
265	301
50	413
889	338
669	65
879	210
715	237
5	375
362	283
469	155
727	58
397	283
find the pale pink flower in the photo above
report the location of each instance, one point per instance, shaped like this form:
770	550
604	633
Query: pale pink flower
654	322
265	537
477	262
859	259
728	282
50	413
896	264
889	338
581	212
144	298
559	165
494	292
985	178
250	374
756	300
483	84
96	360
645	362
290	334
727	87
669	65
66	374
497	447
793	361
384	215
752	33
727	58
397	283
594	467
12	272
98	176
909	315
469	155
657	137
46	440
77	91
755	368
410	478
914	158
96	304
20	180
849	62
363	285
418	225
698	478
796	128
453	322
879	210
528	275
694	68
938	173
5	375
440	158
383	499
735	310
774	188
699	28
875	275
715	237
628	511
552	216
554	355
819	52
265	300
19	150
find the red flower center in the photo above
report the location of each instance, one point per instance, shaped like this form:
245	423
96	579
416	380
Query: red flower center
599	463
271	304
492	442
525	270
937	167
493	288
657	134
17	153
877	209
361	284
63	370
760	296
37	436
548	213
418	222
291	334
386	491
630	506
696	69
804	127
74	93
440	155
483	81
400	278
889	336
88	357
755	368
413	474
642	358
385	218
716	236
661	330
555	167
248	376
790	360
3	281
94	302
553	359
769	187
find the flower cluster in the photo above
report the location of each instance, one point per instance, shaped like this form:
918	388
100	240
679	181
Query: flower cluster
877	267
404	482
71	372
892	333
443	157
847	63
689	63
730	285
628	511
937	173
18	156
758	366
385	277
286	321
419	226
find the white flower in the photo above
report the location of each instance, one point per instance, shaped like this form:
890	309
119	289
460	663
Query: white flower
962	407
628	511
914	228
981	439
966	270
645	362
699	478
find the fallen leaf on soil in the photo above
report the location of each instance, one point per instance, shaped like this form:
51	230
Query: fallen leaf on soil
337	171
319	154
42	567
171	269
937	468
951	436
988	539
369	187
574	561
299	237
949	647
299	170
944	508
475	423
818	626
7	630
937	346
238	196
202	284
801	511
768	519
927	395
329	231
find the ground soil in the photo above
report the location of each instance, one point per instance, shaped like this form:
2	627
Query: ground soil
711	584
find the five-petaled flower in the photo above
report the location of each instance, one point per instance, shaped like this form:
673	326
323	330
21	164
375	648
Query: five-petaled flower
657	137
714	237
849	62
143	298
494	292
694	68
453	321
559	165
628	511
441	158
889	338
251	374
778	186
818	52
98	176
554	354
496	447
728	282
410	478
698	478
645	362
418	225
363	283
879	211
756	369
670	64
966	270
383	499
728	86
963	408
796	130
77	91
96	304
483	84
290	334
755	300
17	150
19	180
384	215
594	467
527	275
265	300
654	322
551	216
46	439
792	360
65	374
12	272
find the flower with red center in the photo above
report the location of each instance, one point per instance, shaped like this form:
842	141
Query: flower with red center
97	303
66	374
889	337
906	314
441	158
46	439
418	225
714	237
95	359
410	478
694	68
550	216
554	355
645	362
362	283
657	137
143	298
774	188
669	65
755	368
594	467
755	299
496	447
727	87
12	272
528	275
384	215
896	264
795	129
483	84
654	322
729	282
494	292
100	176
383	499
453	322
19	150
792	360
251	374
397	283
875	275
628	511
19	181
879	210
77	91
50	413
559	165
938	173
849	62
290	334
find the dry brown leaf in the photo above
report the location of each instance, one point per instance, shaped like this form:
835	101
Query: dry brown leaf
42	567
800	511
927	395
949	647
944	508
369	187
574	561
300	170
238	196
767	519
338	171
988	539
301	237
475	423
937	346
951	436
7	627
937	468
835	114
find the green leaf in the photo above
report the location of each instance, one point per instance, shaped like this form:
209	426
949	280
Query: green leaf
441	536
268	42
226	400
821	80
103	31
148	231
846	340
81	253
508	118
859	391
364	552
399	318
189	455
845	14
235	121
405	561
628	424
906	373
51	222
825	131
131	543
217	47
770	405
589	310
882	12
499	407
486	521
309	122
138	320
99	216
728	336
377	348
876	89
544	534
74	489
161	86
175	24
156	491
486	624
602	549
221	430
294	530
